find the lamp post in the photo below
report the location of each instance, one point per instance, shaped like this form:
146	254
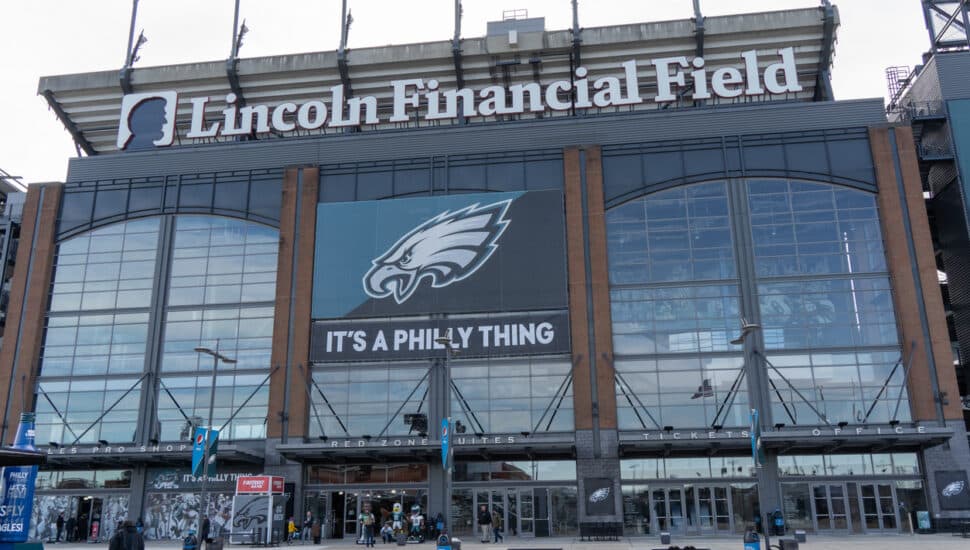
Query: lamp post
216	357
767	474
446	414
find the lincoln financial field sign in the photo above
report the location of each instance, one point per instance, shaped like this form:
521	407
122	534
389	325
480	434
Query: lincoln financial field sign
580	92
498	259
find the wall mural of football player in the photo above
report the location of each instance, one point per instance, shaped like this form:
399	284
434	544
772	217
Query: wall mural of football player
170	516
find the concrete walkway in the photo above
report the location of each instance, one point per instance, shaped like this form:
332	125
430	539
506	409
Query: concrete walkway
855	542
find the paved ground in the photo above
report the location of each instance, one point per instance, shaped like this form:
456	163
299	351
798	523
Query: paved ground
857	542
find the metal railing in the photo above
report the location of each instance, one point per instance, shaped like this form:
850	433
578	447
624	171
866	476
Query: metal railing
917	110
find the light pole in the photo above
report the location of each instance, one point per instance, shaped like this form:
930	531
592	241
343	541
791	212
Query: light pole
216	357
446	414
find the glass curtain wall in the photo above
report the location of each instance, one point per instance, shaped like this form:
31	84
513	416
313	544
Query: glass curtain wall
820	281
96	345
826	303
487	396
675	304
221	293
97	328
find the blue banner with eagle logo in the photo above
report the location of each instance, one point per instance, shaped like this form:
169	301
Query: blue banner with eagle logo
468	253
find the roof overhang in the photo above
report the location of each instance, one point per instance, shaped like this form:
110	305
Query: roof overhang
163	454
17	457
89	104
796	440
404	449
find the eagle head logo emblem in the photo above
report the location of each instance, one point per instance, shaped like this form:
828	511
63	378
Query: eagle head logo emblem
599	495
954	489
447	248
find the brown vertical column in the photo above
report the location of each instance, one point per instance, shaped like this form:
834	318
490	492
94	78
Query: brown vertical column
29	290
284	289
602	318
597	444
294	284
910	285
576	271
306	241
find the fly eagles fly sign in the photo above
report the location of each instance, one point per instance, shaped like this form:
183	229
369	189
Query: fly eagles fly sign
676	77
495	259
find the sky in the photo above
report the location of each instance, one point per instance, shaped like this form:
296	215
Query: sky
51	37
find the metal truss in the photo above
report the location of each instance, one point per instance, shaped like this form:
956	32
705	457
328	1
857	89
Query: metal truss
947	22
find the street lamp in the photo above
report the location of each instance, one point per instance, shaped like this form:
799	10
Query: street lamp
216	357
446	414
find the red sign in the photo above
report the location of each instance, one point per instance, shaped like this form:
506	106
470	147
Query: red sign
259	485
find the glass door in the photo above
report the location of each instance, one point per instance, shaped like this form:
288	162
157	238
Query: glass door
830	504
668	509
527	524
350	515
714	510
878	502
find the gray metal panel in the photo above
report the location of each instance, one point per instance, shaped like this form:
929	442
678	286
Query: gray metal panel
532	24
640	127
954	74
926	86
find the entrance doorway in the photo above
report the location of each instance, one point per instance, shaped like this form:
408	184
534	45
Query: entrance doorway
524	511
667	504
714	515
702	509
879	509
830	506
340	509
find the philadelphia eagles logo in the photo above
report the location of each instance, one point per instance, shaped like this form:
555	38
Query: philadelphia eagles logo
954	489
447	248
599	495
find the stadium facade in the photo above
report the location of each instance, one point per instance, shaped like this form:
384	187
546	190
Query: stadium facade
597	251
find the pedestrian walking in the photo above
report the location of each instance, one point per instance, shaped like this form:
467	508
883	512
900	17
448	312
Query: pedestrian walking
190	542
132	539
366	520
315	531
307	528
290	530
485	523
205	531
497	527
60	526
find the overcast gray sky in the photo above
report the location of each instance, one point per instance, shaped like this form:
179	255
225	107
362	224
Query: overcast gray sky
47	37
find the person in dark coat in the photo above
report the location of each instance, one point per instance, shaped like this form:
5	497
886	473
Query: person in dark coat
71	529
117	541
60	526
132	538
485	523
204	532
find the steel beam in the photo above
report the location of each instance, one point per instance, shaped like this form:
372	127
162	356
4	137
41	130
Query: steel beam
699	28
823	79
79	140
345	20
456	47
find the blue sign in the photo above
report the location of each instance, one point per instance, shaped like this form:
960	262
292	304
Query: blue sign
198	451
445	436
757	452
18	484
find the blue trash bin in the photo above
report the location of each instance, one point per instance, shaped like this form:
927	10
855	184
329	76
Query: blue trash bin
751	540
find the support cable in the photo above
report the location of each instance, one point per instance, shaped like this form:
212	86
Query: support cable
109	409
404	403
329	406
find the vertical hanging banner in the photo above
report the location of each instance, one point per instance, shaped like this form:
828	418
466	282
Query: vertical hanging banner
757	450
198	452
445	443
18	488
